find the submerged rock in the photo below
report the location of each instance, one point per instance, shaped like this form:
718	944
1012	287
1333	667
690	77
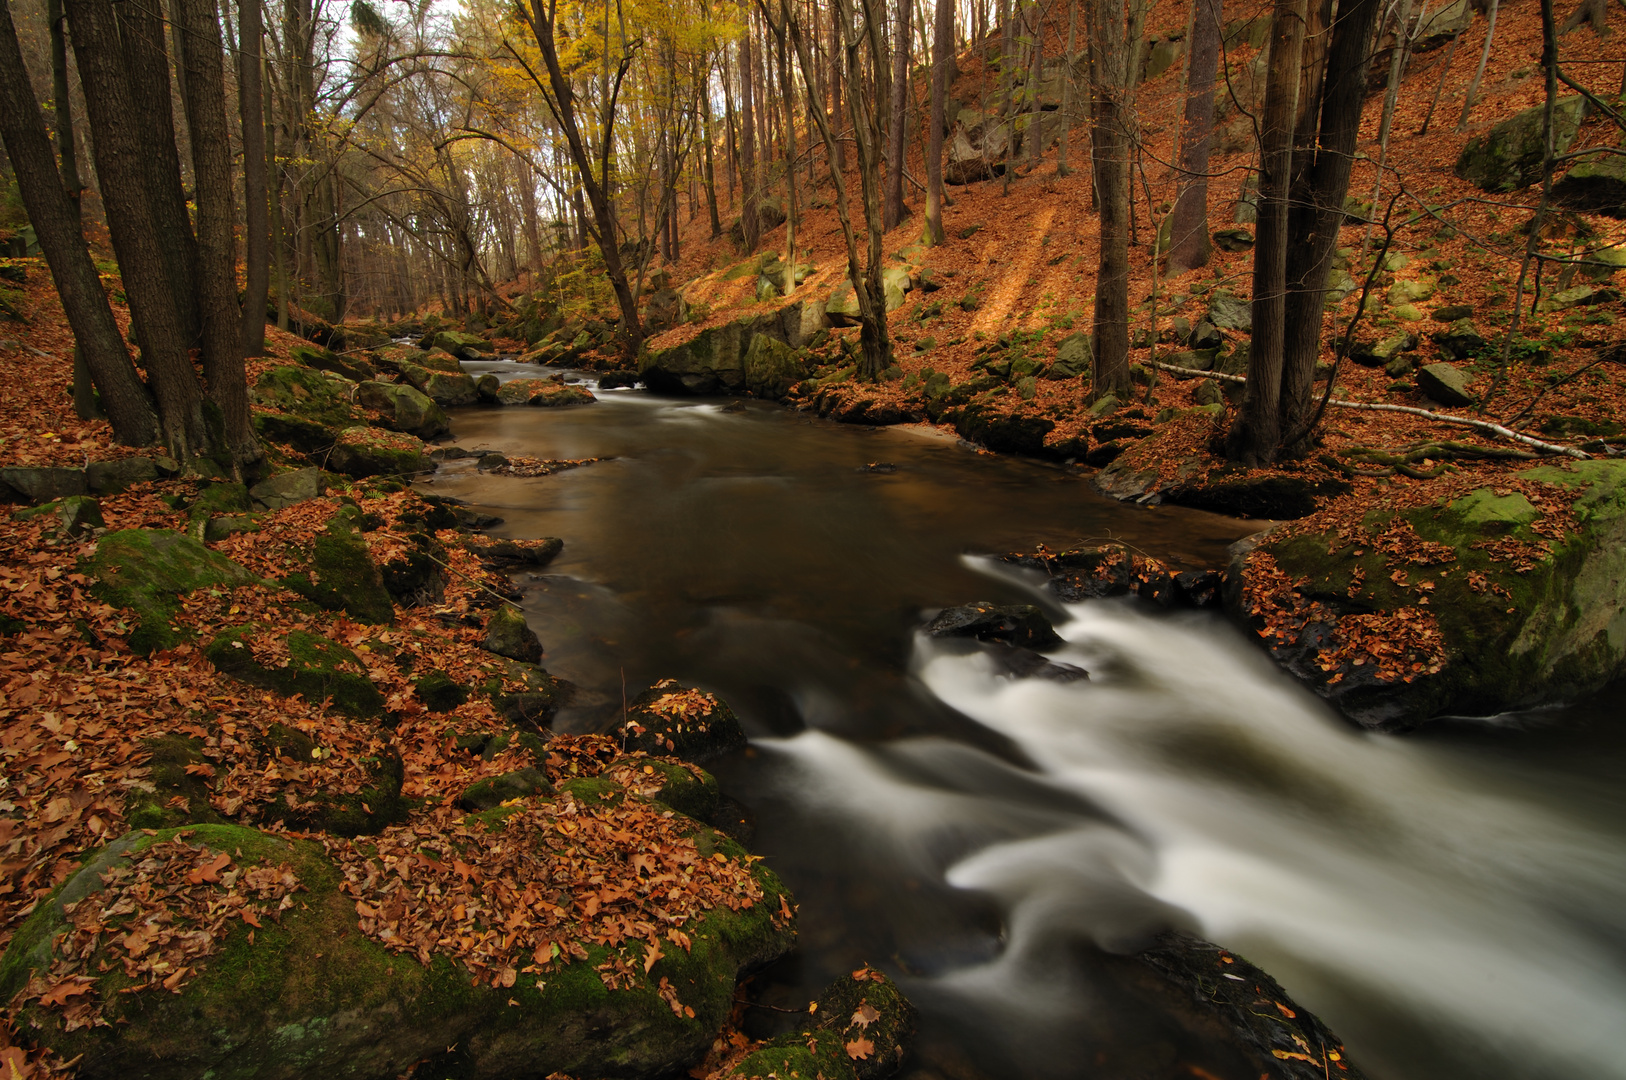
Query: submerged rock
1023	625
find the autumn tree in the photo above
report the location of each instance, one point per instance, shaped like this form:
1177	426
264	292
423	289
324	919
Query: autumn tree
1114	28
1188	224
942	64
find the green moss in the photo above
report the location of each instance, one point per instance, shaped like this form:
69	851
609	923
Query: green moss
685	792
169	757
594	790
342	575
438	692
303	392
148	570
312	670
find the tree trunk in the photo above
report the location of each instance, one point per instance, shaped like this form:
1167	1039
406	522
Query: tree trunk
64	106
256	207
121	169
1007	64
1035	132
56	223
1109	135
750	225
203	57
1062	166
1257	435
527	209
1397	67
1479	72
711	167
1188	227
896	143
942	57
788	98
837	59
146	63
1318	213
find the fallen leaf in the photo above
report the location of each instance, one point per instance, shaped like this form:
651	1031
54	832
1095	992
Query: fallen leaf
860	1049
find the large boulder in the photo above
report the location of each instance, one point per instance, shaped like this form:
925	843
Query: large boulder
287	489
149	570
304	392
859	1029
508	634
1445	383
444	388
666	309
683	721
1072	357
404	408
300	663
38	485
339	572
314	356
1488	614
299	970
120	474
772	367
461	345
365	451
712	363
1508	156
1595	184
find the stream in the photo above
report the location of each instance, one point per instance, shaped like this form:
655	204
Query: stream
1452	903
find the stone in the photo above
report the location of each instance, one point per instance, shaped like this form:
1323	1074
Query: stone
894	284
1595	184
1208	393
340	574
555	396
1444	383
1407	312
282	490
486	386
439	692
864	1009
1022	625
120	474
1509	156
1195	359
1205	337
675	719
533	553
1399	367
507	634
314	356
1410	292
305	436
1379	354
404	409
40	485
363	451
78	514
801	321
1461	341
1503	633
303	392
772	367
449	391
519	784
842	306
1105	405
1340	284
666	309
713	362
149	570
317	667
456	342
1602	264
1579	296
1229	312
1233	240
221	526
1452	313
313	995
1072	357
1002	432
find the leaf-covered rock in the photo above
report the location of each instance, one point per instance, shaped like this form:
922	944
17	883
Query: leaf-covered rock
683	721
508	634
149	570
300	663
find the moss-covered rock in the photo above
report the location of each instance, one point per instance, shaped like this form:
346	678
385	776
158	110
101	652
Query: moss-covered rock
75	514
353	368
772	367
171	795
404	408
309	994
304	392
536	552
712	363
688	789
1508	157
862	1027
1490	615
684	721
306	664
518	784
304	435
507	634
340	574
148	570
439	692
363	452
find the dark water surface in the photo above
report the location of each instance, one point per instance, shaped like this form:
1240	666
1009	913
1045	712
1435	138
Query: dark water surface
1452	904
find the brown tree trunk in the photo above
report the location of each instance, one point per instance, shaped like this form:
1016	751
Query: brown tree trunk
942	57
788	99
1063	168
1035	132
1318	212
837	59
1109	136
527	209
121	169
750	225
56	222
896	143
1257	436
64	106
1188	226
203	57
256	205
146	64
711	167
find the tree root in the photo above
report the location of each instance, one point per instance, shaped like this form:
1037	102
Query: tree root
1405	461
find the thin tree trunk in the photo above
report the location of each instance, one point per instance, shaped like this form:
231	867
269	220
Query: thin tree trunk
122	174
711	167
1062	166
750	225
897	144
256	207
1007	78
1188	227
1109	90
1257	435
1479	72
56	222
788	98
942	56
1439	87
64	107
1036	141
527	209
1397	66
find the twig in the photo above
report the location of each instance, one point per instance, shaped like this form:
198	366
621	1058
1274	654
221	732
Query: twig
470	580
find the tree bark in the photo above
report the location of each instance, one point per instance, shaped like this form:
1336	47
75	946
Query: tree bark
1479	72
750	224
256	203
1318	212
896	142
66	150
203	57
1062	166
1035	133
1109	136
146	62
121	169
711	167
942	57
864	112
1257	435
788	99
1188	226
56	223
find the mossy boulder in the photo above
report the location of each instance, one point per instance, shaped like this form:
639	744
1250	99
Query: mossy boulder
535	552
772	367
688	789
682	721
340	574
457	343
558	395
373	804
1000	431
507	634
713	362
493	792
309	994
404	408
1496	616
1508	156
304	392
173	795
306	664
304	435
314	356
364	451
75	514
861	1029
148	570
439	692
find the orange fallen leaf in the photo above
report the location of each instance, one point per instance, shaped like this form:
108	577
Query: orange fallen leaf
860	1049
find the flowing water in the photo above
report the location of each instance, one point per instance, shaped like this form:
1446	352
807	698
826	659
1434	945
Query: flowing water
1452	903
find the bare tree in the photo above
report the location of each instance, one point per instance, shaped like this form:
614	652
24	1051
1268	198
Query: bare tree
1188	225
256	204
1113	111
898	128
942	59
